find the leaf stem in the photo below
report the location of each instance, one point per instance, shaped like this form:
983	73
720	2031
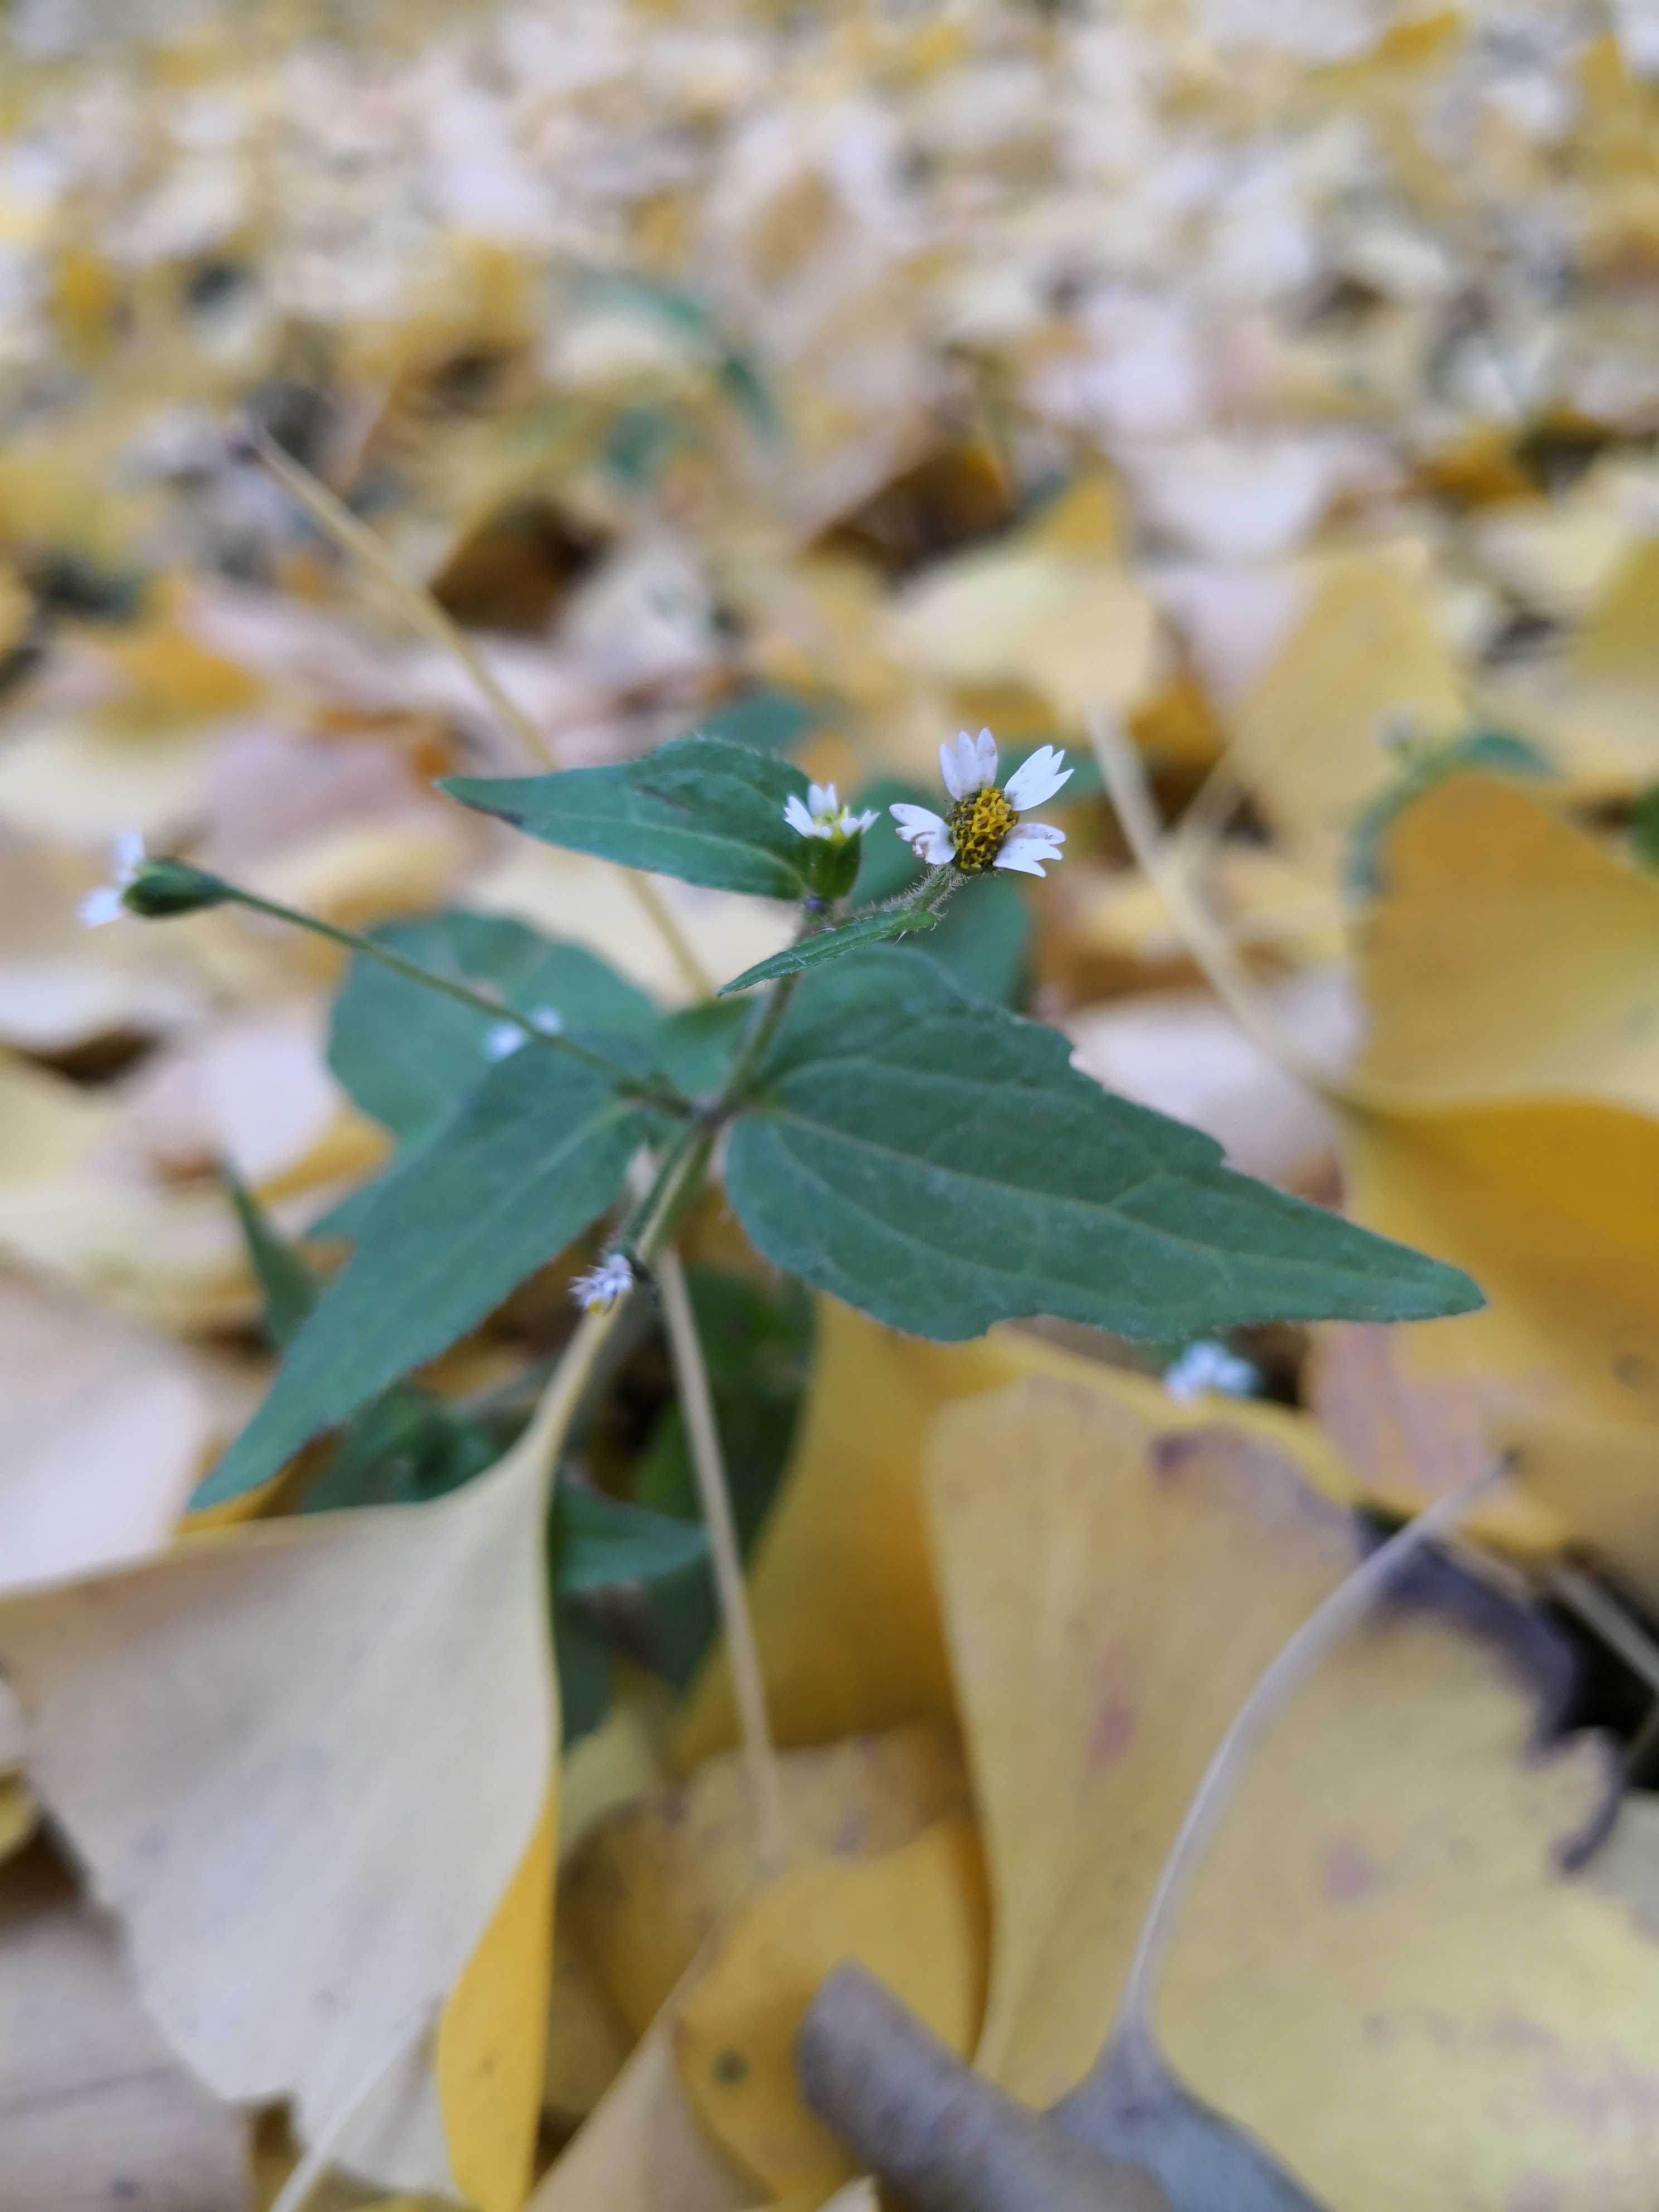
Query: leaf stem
714	1493
1291	1666
411	971
767	1023
425	614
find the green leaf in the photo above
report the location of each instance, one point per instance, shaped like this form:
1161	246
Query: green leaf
287	1285
756	1341
404	1449
708	813
938	1163
409	1056
696	1047
587	1664
598	1541
817	951
767	721
537	1152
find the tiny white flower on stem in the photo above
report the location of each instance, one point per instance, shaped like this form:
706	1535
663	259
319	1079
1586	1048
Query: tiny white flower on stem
823	814
108	902
503	1038
983	829
1205	1366
599	1290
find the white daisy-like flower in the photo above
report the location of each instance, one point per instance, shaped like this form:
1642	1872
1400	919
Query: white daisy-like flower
599	1290
982	829
108	902
1207	1366
823	815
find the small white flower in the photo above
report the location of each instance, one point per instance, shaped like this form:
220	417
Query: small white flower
108	902
599	1290
1207	1366
823	815
981	831
501	1038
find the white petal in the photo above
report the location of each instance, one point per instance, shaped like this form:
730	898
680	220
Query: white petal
105	904
1028	845
867	820
501	1040
797	816
951	769
985	759
1037	780
128	856
821	798
927	837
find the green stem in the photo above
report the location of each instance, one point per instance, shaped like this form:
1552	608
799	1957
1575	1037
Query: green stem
653	1219
429	980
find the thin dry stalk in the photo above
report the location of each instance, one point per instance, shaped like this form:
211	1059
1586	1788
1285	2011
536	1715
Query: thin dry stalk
702	1434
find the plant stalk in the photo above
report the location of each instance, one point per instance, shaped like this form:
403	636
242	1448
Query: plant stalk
713	1494
463	995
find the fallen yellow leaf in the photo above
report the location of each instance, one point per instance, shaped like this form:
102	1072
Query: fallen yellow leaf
917	1918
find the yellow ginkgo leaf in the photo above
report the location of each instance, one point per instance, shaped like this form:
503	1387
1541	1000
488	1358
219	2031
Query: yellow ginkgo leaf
655	1878
304	1762
643	2149
1381	1969
97	2109
1509	956
1365	659
916	1918
1601	1478
847	1539
1553	1208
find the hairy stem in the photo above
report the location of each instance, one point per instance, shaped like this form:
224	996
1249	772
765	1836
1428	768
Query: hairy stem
423	614
1323	1630
713	1494
429	980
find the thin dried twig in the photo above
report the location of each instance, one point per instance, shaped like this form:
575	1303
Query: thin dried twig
423	614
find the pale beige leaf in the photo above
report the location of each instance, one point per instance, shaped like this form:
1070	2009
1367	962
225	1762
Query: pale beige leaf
303	1762
94	2110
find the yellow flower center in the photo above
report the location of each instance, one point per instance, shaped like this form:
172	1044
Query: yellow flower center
979	824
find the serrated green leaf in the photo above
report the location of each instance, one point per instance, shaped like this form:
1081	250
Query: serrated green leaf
696	1047
409	1056
707	811
937	1162
598	1541
817	951
287	1285
537	1152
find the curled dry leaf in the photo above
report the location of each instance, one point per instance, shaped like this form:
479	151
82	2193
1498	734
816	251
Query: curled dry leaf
1383	1970
304	1762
